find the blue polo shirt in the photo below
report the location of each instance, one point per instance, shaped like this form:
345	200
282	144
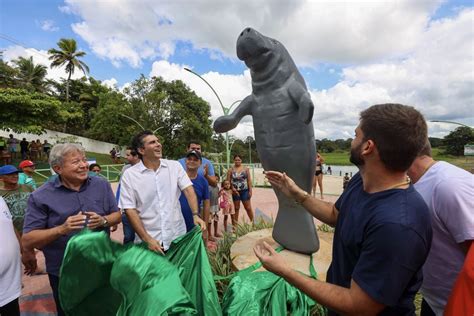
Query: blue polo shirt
381	241
51	204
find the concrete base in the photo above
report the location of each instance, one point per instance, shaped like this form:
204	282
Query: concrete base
243	255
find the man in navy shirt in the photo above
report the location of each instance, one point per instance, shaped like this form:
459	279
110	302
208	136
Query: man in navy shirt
383	231
61	208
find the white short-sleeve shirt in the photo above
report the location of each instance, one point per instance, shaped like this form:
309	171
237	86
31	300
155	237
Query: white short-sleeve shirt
448	192
10	260
155	196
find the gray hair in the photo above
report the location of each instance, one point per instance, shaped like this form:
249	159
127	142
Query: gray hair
56	156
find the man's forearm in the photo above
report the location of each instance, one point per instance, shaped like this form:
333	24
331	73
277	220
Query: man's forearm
192	199
114	218
40	237
206	210
137	224
335	297
324	211
212	180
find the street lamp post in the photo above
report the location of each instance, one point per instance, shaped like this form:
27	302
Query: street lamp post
451	122
226	111
250	139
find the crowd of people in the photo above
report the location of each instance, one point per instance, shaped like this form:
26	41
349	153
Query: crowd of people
404	223
34	150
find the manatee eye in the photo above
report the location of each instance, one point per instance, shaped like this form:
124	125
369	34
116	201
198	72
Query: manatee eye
248	30
241	33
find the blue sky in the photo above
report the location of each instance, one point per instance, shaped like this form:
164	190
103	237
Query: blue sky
351	54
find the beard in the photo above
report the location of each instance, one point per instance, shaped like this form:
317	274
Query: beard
356	157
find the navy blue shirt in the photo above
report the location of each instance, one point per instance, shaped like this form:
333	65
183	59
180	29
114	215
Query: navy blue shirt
381	241
201	187
51	204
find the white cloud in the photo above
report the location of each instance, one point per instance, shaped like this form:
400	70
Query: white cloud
39	57
230	88
313	31
435	78
391	50
49	26
110	83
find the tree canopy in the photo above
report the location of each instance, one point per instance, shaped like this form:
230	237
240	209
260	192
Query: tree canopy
25	111
455	141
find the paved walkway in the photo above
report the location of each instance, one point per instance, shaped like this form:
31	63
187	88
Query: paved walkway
37	300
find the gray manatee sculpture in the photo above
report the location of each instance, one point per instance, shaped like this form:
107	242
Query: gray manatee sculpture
282	111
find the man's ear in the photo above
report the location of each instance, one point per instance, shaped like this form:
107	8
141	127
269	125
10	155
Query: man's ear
57	169
141	150
368	147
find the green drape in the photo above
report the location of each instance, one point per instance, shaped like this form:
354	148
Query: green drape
102	277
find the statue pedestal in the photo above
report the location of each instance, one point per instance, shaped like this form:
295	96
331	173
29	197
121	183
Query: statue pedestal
242	252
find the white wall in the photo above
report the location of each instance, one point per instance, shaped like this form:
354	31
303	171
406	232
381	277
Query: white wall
53	136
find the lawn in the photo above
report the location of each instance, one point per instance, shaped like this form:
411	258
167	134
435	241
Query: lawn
342	158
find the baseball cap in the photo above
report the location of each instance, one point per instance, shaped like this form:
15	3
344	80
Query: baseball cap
8	169
195	153
26	163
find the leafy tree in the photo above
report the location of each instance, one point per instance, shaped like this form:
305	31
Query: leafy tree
7	75
30	76
23	111
108	121
435	142
456	140
169	108
68	56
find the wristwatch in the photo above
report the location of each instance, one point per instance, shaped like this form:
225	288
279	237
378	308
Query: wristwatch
105	222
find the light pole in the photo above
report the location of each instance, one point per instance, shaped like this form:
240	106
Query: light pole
451	122
250	139
226	111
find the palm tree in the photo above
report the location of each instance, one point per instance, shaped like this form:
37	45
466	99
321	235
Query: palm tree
30	76
68	56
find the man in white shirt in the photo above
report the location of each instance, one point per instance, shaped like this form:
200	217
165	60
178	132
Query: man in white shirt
150	193
447	190
10	264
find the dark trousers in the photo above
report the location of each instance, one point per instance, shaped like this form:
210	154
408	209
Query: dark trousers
10	309
128	232
54	282
426	309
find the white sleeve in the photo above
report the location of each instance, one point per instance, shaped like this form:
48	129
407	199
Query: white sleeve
127	196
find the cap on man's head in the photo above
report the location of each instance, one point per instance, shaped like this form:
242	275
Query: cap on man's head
195	153
8	169
26	163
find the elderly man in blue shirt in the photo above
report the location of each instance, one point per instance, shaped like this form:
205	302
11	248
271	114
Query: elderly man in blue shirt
61	208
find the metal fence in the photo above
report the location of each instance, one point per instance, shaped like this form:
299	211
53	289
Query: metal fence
109	172
112	173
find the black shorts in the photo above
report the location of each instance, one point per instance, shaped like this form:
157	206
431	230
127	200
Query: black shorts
318	172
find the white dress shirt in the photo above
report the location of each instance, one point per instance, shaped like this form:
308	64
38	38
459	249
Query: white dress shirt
155	196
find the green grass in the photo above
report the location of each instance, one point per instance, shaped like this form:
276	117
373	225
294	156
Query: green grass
342	158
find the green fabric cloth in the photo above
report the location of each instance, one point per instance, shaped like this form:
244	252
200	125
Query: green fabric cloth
265	293
102	277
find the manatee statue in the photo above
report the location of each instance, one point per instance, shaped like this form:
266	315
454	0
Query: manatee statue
282	111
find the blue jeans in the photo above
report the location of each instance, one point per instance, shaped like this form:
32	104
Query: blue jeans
128	232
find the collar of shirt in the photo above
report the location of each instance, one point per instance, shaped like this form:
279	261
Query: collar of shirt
58	184
142	168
